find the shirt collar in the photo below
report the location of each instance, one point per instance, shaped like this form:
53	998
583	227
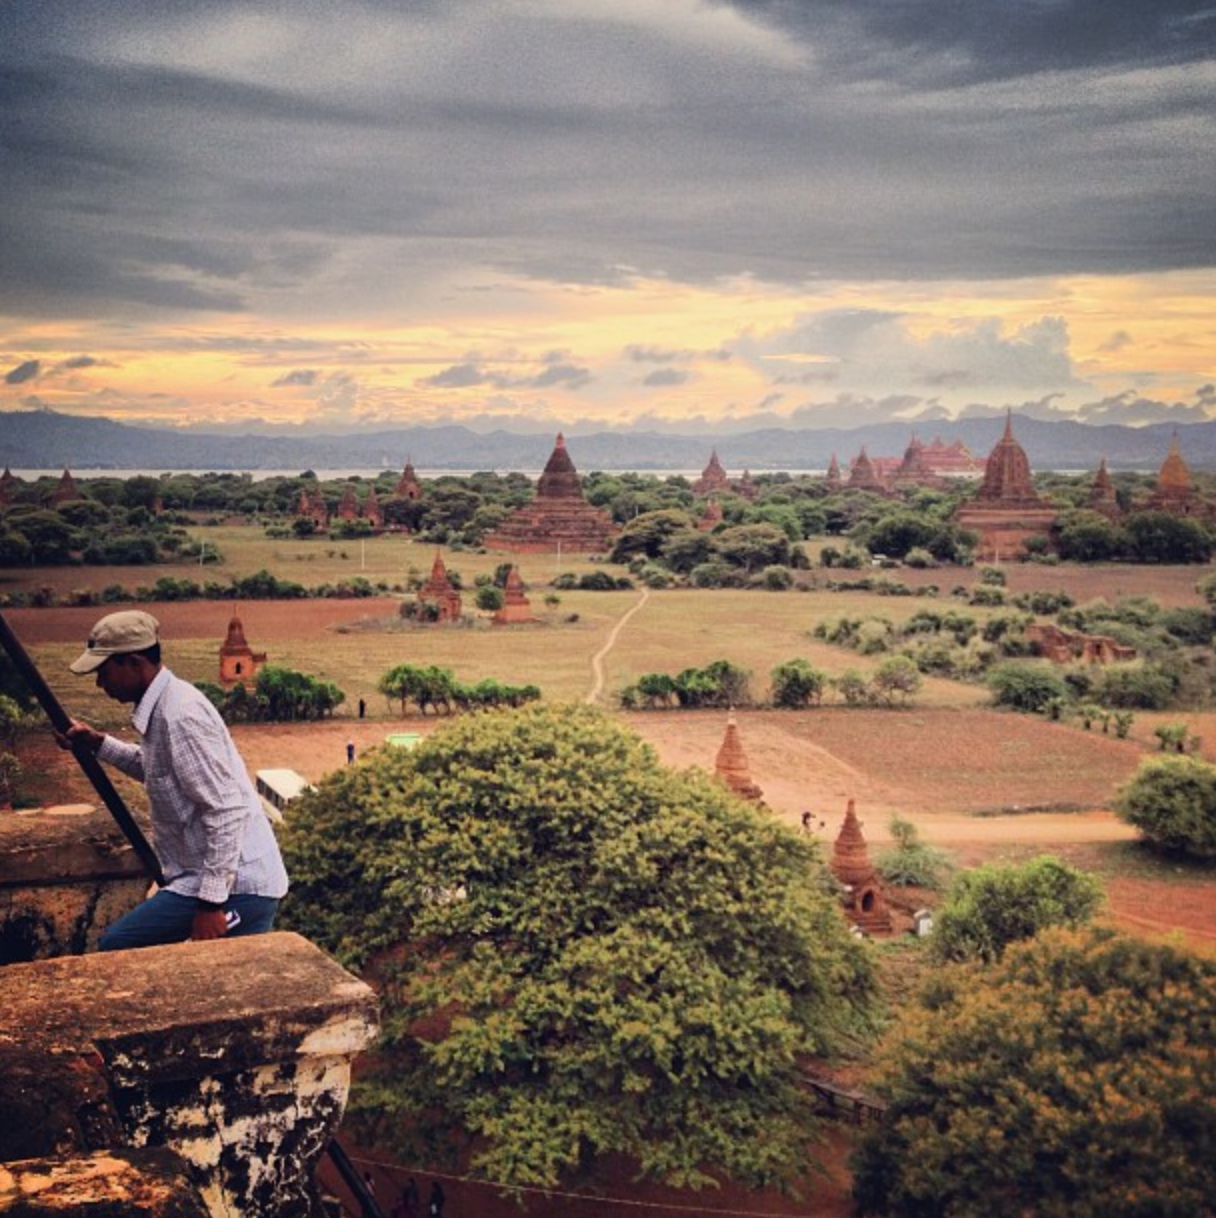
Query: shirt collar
142	713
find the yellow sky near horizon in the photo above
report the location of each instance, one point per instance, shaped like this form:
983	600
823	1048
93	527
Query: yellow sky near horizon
649	349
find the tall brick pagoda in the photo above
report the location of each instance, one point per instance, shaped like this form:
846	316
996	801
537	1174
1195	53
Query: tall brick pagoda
371	509
731	766
1006	510
864	903
239	663
833	476
559	518
348	505
864	477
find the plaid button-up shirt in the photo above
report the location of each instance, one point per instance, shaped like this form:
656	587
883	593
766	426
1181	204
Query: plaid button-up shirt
208	826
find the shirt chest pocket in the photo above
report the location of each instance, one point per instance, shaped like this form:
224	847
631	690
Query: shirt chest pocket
167	801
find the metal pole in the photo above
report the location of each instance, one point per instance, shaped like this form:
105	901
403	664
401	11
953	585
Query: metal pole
61	721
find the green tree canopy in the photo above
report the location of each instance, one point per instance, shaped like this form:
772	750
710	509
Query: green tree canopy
993	906
581	953
1172	801
1072	1080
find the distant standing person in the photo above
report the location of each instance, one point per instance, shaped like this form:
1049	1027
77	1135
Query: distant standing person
223	871
350	751
435	1206
362	708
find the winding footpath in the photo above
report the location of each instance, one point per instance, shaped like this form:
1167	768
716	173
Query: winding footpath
597	660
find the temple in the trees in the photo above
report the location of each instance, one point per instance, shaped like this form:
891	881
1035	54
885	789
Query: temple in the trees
863	900
438	597
559	518
239	663
1007	510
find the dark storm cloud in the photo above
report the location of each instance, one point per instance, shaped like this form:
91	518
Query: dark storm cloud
23	372
213	156
986	39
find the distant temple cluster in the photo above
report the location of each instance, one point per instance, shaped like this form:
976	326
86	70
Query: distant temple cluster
1004	514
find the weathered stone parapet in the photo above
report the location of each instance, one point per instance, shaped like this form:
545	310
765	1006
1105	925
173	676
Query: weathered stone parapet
234	1054
108	1184
65	874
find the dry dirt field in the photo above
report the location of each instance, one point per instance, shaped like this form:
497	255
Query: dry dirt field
980	783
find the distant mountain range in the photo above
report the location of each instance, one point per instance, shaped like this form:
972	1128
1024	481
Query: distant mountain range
47	440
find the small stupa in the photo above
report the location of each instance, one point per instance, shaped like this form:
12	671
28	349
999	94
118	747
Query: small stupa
515	604
833	478
863	900
239	663
1102	497
371	509
1175	493
66	490
864	477
348	505
408	486
8	487
731	765
713	479
439	592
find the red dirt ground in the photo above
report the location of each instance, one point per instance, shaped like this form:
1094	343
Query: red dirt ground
981	783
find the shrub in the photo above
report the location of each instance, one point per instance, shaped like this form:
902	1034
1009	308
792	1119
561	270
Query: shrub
993	906
1136	686
1025	686
910	863
1172	801
1060	1082
796	684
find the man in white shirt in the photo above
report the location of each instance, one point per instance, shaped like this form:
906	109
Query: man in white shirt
223	871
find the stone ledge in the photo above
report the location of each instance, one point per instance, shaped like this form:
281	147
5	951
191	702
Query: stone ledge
108	1184
236	1054
64	874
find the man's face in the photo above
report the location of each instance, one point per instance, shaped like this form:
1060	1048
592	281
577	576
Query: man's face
121	678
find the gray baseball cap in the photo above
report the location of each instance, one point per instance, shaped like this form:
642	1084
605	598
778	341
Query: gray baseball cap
117	634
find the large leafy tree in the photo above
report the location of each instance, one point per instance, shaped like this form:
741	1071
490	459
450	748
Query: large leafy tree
1072	1080
580	952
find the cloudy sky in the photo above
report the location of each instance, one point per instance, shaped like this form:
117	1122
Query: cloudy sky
675	213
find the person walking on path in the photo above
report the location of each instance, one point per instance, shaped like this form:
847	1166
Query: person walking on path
435	1206
350	751
224	875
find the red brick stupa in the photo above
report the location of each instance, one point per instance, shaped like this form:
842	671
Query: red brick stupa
713	479
515	605
1006	510
8	487
239	663
1175	492
66	490
408	487
559	518
731	765
438	592
863	899
914	469
864	477
833	478
1102	497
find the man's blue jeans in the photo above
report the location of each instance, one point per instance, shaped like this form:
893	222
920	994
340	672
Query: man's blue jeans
168	918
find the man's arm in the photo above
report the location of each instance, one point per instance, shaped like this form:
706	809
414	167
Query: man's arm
128	758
